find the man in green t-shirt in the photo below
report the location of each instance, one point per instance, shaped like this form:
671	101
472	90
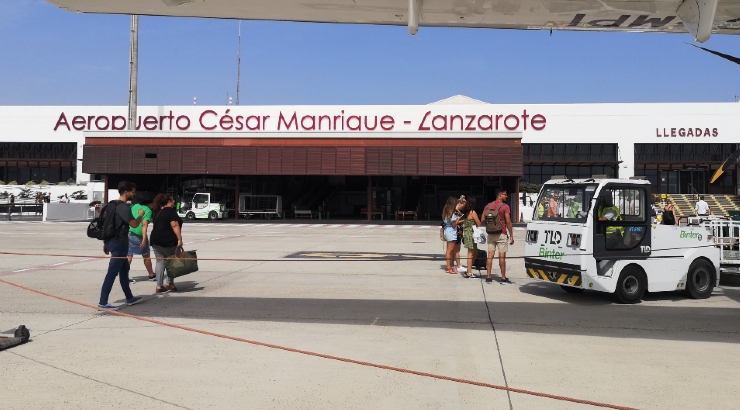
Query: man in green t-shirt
138	241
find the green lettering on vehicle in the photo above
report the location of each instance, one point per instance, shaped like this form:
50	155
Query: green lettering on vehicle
689	235
550	254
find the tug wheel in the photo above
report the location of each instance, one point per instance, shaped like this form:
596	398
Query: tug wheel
571	289
190	216
631	285
700	279
212	215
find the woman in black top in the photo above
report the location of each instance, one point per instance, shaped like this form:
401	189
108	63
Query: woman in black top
668	217
166	237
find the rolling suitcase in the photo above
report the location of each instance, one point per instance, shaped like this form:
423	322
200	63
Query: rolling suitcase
480	261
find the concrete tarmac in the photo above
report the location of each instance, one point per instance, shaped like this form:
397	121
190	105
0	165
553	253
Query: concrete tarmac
667	352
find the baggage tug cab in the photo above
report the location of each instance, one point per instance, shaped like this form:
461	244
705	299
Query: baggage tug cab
598	234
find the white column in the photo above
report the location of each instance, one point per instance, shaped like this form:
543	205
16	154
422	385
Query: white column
627	156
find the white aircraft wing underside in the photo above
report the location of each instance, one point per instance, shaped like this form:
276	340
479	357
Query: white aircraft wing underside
598	15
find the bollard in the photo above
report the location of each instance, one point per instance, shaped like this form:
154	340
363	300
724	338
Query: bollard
319	215
328	215
283	214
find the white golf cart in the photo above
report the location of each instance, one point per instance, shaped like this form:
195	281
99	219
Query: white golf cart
597	234
201	205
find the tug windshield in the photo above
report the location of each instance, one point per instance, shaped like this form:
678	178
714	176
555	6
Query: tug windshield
566	203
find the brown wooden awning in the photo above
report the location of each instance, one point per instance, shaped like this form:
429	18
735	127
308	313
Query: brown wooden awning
309	156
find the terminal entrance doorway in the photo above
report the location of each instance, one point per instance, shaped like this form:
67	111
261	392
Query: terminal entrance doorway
673	181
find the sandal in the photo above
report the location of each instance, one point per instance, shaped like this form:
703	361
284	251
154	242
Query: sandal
171	287
161	290
451	271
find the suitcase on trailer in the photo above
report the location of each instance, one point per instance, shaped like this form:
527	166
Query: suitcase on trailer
480	261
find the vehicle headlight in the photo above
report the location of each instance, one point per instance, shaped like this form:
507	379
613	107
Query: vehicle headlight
574	240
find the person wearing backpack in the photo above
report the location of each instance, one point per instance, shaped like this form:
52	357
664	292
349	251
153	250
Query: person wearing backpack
497	220
118	218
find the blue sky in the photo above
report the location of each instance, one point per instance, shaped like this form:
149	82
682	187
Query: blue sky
52	57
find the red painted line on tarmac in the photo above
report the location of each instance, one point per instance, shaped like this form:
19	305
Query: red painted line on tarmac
330	357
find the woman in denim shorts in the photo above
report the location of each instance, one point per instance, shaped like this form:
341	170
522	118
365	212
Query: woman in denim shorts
138	242
450	221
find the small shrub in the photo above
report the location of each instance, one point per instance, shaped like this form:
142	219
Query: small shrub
2	182
62	183
30	183
13	183
44	182
25	193
529	188
78	195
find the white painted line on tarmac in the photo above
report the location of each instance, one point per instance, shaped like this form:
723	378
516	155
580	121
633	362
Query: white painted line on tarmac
22	270
407	227
352	226
334	226
390	226
59	264
424	227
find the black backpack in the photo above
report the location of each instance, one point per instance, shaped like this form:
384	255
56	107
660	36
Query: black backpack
103	227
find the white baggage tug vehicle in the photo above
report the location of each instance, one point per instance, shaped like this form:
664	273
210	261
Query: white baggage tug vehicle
597	234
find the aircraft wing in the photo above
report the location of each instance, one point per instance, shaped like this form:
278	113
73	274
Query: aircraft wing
699	17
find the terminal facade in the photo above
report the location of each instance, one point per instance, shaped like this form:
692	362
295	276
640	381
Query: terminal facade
342	159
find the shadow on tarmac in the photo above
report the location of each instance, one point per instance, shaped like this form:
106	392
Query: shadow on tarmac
589	313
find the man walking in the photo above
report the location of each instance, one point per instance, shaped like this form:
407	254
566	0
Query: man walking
118	247
11	202
497	233
701	207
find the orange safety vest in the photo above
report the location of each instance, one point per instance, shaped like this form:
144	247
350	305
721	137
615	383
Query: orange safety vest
552	210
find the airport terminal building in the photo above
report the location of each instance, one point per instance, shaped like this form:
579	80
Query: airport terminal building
342	159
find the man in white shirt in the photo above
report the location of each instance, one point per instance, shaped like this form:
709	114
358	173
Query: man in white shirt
701	207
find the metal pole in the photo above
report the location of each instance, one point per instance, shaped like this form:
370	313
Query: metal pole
238	63
133	73
369	198
236	200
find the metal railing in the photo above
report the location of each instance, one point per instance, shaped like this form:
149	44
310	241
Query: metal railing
21	210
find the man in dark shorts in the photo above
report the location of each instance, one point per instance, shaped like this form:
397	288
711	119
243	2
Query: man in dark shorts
118	248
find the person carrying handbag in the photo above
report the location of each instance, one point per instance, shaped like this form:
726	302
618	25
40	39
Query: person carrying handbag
471	220
166	238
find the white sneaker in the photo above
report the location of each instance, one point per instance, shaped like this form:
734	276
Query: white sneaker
462	269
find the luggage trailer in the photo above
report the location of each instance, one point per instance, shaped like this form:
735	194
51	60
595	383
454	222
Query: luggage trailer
269	206
597	234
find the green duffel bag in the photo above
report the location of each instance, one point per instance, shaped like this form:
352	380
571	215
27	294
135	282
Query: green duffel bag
182	263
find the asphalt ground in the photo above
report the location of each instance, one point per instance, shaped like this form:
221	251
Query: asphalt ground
667	352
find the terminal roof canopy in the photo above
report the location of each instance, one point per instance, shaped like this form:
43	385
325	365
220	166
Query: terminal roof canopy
701	18
458	100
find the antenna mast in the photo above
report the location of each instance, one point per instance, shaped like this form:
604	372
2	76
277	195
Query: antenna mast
239	62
